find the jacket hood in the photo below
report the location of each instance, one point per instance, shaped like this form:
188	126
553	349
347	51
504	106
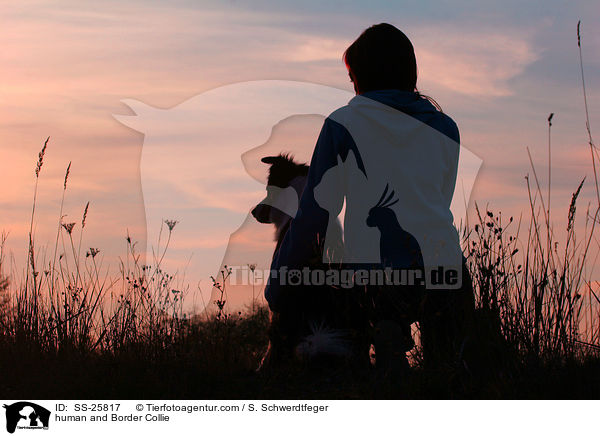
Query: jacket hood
411	104
405	101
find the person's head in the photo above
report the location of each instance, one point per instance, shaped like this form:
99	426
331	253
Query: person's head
382	57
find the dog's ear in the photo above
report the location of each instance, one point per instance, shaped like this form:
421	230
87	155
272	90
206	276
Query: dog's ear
270	159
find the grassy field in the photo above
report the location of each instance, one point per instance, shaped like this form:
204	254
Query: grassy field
70	331
217	359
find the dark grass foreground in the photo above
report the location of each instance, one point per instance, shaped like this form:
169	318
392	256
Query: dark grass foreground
217	359
69	330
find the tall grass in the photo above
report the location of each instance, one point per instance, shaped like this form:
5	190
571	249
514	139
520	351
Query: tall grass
538	288
69	304
537	292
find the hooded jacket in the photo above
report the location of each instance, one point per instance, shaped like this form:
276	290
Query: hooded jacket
385	150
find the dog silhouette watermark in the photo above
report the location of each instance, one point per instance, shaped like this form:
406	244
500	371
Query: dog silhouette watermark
199	166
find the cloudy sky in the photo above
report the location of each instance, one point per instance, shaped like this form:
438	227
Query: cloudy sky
498	68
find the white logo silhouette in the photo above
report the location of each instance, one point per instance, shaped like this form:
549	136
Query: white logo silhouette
195	167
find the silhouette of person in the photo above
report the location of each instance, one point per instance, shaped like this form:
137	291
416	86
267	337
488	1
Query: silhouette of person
404	152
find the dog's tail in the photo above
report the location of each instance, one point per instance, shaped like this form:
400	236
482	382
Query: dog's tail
324	341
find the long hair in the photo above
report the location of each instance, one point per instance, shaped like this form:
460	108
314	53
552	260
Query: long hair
383	57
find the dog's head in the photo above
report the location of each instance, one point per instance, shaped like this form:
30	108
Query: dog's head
284	169
287	179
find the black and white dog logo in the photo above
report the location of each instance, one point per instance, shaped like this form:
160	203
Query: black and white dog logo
26	415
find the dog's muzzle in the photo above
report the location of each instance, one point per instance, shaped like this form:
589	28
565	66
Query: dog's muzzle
262	213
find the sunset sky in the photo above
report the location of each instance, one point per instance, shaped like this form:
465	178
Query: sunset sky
497	68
